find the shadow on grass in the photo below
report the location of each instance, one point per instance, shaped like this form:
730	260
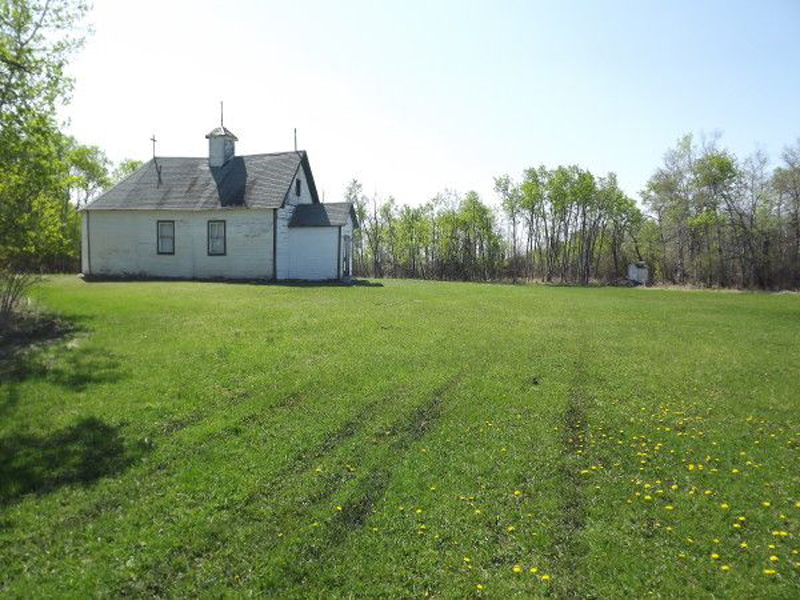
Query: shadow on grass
44	347
80	454
270	282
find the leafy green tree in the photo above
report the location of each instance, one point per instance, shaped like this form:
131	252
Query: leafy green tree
36	40
124	168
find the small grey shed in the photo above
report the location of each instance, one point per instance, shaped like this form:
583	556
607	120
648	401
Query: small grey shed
638	273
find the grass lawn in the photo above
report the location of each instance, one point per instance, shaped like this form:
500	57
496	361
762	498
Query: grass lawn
408	439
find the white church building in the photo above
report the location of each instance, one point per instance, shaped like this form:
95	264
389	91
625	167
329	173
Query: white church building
222	216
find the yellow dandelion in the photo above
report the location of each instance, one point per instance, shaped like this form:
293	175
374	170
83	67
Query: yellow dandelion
669	507
743	545
724	506
533	570
510	528
714	556
765	504
769	572
479	586
648	498
517	568
466	559
545	578
725	568
774	558
517	493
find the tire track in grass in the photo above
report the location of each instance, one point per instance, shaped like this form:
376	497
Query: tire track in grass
367	494
569	549
160	574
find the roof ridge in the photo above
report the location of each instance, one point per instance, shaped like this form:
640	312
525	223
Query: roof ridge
258	154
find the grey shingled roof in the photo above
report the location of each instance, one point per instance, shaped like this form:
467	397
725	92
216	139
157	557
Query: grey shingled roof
331	214
254	181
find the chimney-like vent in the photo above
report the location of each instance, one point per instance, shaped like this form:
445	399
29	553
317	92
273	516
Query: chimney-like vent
221	146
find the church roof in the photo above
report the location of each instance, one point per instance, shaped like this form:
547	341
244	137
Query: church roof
330	214
170	183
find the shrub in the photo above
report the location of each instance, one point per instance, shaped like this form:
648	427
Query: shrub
14	286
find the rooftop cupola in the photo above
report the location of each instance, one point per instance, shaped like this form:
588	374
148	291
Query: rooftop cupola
220	143
220	146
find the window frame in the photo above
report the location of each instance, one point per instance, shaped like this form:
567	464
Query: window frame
224	237
158	238
298	186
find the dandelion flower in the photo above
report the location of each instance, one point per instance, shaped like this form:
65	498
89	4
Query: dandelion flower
725	568
517	493
765	504
669	507
479	586
769	572
517	568
714	556
545	577
724	506
533	570
774	558
743	545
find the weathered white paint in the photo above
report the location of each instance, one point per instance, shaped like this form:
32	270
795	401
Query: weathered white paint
284	216
221	148
123	243
638	273
312	252
292	198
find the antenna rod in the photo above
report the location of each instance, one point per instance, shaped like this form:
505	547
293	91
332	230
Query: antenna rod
295	139
221	123
153	139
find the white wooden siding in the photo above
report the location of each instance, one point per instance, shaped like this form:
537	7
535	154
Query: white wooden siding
312	252
124	243
305	193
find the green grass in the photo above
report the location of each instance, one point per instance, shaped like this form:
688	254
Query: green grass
406	440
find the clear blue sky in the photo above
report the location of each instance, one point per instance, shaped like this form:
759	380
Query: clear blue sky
414	97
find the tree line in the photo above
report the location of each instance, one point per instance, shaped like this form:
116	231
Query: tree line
706	218
45	174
